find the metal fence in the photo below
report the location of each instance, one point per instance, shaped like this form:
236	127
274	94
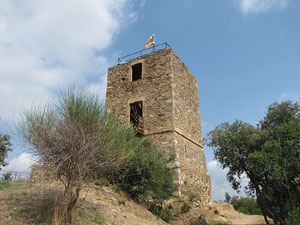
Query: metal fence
14	175
143	52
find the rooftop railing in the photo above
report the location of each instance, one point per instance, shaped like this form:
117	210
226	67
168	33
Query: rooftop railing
143	52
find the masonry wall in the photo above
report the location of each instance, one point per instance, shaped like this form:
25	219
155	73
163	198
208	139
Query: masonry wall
171	113
192	164
186	102
154	89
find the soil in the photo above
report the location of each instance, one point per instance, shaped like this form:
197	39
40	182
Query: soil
24	203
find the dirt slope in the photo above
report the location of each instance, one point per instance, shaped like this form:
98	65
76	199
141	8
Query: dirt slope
119	209
24	203
217	213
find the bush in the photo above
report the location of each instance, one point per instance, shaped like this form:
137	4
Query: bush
185	208
76	139
148	175
165	214
293	218
7	176
102	181
247	205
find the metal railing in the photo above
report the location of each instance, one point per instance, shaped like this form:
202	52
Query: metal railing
143	52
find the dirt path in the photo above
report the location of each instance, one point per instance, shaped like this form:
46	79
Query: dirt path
227	212
119	209
242	219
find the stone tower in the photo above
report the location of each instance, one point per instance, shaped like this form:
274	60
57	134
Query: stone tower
158	95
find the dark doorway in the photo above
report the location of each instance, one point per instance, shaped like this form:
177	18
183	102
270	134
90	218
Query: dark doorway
136	116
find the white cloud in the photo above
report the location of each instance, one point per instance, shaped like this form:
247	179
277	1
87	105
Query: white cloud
46	44
22	163
260	6
219	183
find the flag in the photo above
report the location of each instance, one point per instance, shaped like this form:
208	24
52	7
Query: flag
150	41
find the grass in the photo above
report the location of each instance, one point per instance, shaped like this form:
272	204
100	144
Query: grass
28	204
4	184
98	219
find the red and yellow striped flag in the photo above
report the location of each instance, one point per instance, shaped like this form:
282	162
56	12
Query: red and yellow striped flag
150	41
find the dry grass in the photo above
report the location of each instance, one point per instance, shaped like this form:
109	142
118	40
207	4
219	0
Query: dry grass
23	203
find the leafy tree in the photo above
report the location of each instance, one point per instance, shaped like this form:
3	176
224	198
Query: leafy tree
78	141
269	155
4	148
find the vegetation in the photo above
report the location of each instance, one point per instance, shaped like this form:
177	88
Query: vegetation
246	205
164	213
185	208
80	142
35	204
269	155
4	148
147	176
77	140
4	184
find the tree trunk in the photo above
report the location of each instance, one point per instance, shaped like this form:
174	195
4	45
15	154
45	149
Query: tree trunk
64	210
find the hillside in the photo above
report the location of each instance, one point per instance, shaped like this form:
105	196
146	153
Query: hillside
24	203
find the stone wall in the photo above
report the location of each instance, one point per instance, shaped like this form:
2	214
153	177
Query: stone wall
186	101
154	89
192	166
39	174
171	113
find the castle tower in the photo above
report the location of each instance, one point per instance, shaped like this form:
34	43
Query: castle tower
158	95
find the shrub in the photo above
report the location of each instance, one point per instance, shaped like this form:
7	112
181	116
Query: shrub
76	139
148	175
293	218
165	214
247	205
7	176
185	208
102	181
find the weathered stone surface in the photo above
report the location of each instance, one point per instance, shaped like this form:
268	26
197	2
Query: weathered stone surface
171	113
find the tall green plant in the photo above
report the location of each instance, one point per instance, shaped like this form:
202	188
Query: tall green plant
77	140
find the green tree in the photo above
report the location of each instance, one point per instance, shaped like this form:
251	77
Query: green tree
269	155
4	148
78	141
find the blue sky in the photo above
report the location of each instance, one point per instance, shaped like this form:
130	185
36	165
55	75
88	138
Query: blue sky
245	54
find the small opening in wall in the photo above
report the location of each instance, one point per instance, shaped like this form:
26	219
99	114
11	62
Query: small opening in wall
137	71
136	116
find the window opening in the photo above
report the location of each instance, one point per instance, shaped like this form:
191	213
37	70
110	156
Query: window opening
136	116
137	71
